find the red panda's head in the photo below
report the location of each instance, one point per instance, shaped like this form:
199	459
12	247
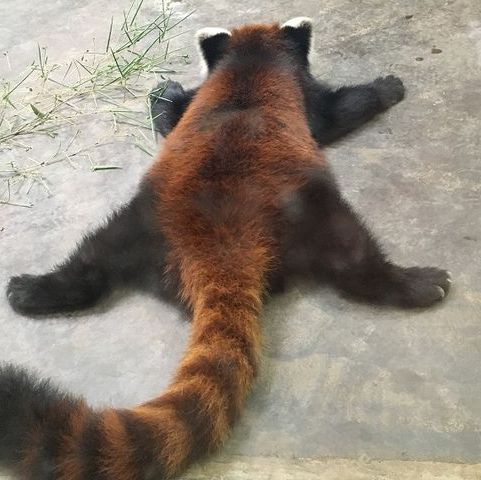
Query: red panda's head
290	42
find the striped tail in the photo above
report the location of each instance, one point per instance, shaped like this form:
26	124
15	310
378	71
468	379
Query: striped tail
46	434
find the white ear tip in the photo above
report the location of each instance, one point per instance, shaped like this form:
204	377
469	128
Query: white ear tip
208	32
298	22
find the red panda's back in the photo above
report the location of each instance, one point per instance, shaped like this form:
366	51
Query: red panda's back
225	170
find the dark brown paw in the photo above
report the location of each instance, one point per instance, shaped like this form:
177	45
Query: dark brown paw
54	292
23	292
165	91
390	90
422	286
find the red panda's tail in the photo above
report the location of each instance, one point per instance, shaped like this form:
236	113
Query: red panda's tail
46	434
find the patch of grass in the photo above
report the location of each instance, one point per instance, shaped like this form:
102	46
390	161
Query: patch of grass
105	84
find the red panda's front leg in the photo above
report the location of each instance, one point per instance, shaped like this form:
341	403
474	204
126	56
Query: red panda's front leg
334	114
168	102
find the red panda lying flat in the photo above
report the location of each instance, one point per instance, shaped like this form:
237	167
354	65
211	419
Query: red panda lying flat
239	199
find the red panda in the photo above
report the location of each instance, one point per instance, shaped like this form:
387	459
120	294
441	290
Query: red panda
239	199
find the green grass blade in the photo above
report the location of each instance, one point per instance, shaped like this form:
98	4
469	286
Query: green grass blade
110	34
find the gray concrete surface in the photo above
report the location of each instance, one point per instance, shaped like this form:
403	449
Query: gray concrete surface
339	379
263	468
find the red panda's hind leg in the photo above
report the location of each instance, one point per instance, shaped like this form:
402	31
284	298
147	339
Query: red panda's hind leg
127	250
328	240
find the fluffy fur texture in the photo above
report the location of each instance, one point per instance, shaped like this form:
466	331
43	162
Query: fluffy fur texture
240	199
331	113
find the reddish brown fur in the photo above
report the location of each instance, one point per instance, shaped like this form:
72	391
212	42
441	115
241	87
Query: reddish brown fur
221	226
71	466
221	180
240	197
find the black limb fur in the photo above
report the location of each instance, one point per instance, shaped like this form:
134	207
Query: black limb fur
332	114
168	102
127	250
327	240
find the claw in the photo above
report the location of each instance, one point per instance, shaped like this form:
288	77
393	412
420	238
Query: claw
441	291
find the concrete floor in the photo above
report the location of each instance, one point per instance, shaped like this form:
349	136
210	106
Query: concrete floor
339	379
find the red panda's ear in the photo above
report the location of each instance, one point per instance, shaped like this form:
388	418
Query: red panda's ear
299	31
212	43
